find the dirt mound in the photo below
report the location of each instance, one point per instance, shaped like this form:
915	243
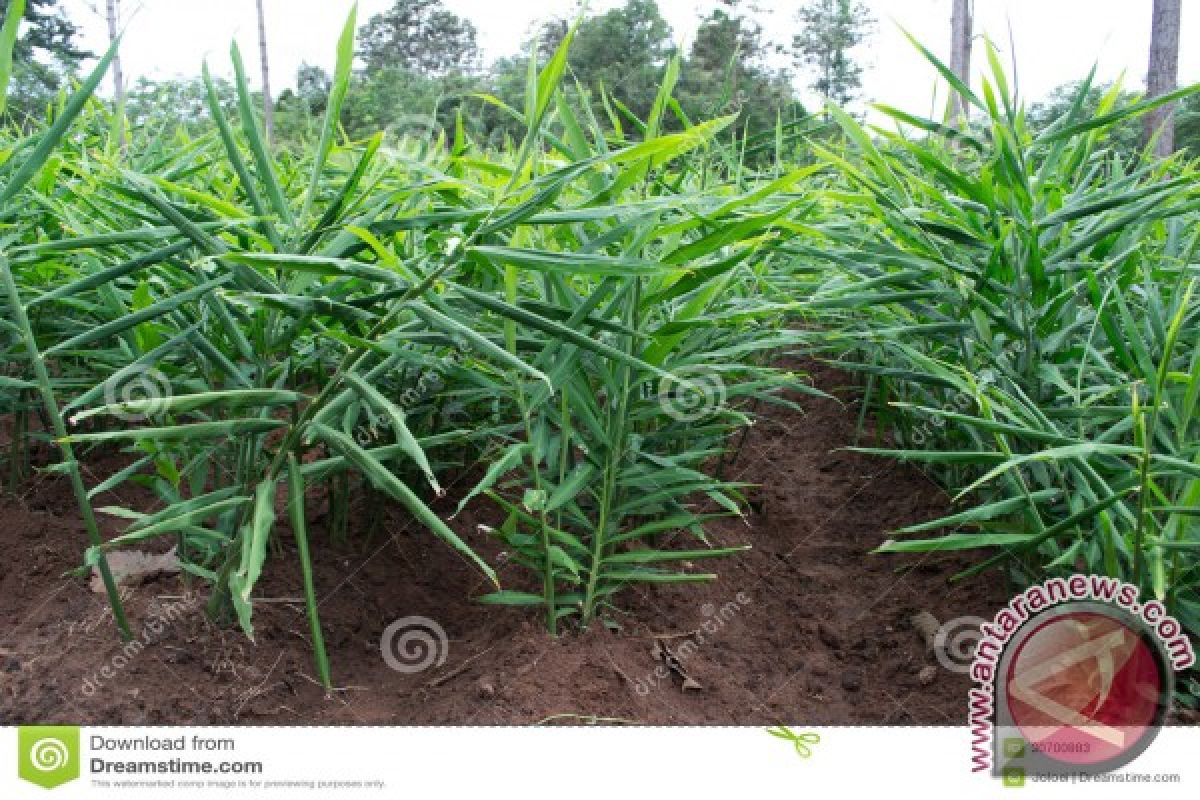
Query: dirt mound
804	627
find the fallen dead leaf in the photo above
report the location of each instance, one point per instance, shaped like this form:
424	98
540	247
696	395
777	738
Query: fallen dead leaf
130	567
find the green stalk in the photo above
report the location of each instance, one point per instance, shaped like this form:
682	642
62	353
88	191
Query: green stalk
564	454
543	89
351	361
1141	432
612	463
68	452
16	448
599	539
1148	434
548	589
300	530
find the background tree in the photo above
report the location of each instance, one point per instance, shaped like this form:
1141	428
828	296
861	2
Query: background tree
961	24
729	39
298	112
44	56
548	35
1124	138
1187	126
173	104
421	62
405	102
1128	136
830	30
268	105
1162	75
727	70
506	80
112	13
419	35
623	51
312	87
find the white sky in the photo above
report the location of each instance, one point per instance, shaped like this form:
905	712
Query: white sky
1056	40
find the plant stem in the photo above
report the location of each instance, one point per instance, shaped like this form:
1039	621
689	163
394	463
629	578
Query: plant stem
68	452
300	531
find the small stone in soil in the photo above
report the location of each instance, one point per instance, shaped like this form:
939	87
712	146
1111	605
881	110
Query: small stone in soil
829	636
927	675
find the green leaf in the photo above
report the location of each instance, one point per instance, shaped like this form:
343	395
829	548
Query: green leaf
254	538
262	159
957	541
8	38
389	484
191	432
181	404
333	108
50	138
478	342
655	556
399	425
497	469
985	512
508	597
573	263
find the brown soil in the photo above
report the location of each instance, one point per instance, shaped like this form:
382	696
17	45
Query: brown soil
806	626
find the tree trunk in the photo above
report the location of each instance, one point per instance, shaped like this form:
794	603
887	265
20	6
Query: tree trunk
268	106
113	13
1163	73
960	51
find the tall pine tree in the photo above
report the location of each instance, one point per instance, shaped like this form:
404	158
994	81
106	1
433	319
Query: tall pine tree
830	30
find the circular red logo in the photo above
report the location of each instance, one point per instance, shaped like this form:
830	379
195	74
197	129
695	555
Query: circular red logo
1086	688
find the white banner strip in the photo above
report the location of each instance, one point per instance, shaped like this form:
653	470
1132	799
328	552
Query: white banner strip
592	762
